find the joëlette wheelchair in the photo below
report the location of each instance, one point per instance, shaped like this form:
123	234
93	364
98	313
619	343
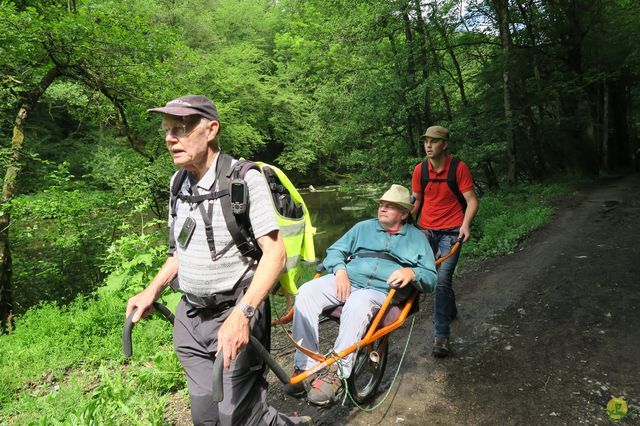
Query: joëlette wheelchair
371	351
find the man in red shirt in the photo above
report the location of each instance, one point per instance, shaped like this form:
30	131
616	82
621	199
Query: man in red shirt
446	204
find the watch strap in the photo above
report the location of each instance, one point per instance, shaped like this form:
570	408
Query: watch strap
247	310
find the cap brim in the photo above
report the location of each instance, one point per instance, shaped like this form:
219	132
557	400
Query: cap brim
179	111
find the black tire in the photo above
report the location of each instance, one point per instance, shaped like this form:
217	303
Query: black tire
366	374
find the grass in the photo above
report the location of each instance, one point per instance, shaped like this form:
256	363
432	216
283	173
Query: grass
508	217
64	364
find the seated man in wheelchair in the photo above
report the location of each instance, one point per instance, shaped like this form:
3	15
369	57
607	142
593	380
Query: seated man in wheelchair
363	265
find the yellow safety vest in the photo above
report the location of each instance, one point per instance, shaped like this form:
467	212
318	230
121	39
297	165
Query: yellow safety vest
296	233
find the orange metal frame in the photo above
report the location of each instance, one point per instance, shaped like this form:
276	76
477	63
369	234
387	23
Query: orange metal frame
371	336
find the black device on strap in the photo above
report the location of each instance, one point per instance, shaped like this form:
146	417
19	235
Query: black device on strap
451	180
239	225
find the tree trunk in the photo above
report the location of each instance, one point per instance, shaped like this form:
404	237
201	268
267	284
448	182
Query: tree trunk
424	65
8	192
459	80
490	174
620	105
437	66
502	11
415	120
402	98
604	150
535	133
579	106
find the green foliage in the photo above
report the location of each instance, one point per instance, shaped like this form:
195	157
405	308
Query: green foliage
508	217
335	91
133	260
58	235
116	402
54	351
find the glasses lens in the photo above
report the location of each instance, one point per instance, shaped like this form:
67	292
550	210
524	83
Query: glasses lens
181	130
178	131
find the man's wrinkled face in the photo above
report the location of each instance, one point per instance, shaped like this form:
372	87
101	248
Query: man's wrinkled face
391	215
188	138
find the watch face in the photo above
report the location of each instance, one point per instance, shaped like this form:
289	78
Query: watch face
247	310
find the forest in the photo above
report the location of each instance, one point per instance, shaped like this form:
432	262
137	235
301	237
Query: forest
331	91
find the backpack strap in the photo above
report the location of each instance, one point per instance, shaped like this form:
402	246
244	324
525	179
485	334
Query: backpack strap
239	226
223	163
424	180
452	181
178	180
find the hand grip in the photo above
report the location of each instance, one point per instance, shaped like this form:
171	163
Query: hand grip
126	334
127	346
218	370
270	360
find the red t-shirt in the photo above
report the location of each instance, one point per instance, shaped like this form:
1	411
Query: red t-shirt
441	208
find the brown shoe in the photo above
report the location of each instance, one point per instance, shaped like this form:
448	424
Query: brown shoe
440	347
326	389
301	388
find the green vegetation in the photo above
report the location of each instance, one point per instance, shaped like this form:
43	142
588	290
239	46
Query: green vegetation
507	217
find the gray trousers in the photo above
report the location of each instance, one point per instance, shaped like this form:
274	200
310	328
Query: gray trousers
357	313
195	338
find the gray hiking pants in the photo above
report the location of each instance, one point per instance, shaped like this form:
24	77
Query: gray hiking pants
195	338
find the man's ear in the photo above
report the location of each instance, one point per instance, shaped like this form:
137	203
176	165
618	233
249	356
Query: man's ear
212	130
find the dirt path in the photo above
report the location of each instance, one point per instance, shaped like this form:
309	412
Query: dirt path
546	335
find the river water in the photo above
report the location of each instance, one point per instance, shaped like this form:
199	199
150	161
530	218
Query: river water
333	213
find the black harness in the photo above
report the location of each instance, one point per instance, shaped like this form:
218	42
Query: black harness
238	225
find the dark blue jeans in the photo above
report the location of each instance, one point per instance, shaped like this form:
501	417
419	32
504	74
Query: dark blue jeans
445	298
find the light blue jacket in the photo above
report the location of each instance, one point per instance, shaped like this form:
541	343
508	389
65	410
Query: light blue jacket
409	246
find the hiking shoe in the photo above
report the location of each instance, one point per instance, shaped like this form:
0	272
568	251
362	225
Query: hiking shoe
299	389
440	346
305	420
326	389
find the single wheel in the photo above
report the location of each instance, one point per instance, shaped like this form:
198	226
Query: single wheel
368	369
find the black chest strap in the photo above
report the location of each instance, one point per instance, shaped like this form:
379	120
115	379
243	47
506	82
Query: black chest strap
378	255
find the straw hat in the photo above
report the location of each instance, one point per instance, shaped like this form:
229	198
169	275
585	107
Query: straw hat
399	195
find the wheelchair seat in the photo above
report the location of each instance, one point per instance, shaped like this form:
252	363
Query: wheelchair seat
392	315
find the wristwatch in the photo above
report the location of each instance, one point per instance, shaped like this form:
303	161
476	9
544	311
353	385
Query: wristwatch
248	310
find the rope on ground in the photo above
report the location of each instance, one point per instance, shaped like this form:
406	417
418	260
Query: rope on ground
370	409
